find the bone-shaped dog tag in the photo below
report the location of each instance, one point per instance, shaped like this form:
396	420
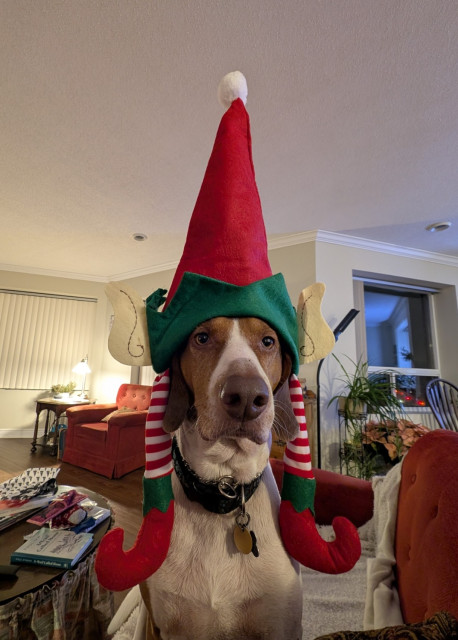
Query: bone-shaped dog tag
254	549
243	540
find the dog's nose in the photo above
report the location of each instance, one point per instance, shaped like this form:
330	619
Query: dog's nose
244	398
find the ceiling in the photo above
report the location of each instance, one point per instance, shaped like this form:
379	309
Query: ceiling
109	113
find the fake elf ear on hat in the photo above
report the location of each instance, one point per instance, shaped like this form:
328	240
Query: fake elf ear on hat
224	271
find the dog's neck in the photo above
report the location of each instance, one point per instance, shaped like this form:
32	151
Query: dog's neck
237	457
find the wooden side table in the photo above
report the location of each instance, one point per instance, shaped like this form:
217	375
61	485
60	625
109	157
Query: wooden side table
58	407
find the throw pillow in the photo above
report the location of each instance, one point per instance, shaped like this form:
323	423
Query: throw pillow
117	412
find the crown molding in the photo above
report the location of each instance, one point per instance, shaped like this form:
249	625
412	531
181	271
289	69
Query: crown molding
90	278
146	271
291	239
331	237
278	242
52	273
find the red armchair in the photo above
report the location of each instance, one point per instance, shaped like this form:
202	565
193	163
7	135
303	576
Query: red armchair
426	539
109	439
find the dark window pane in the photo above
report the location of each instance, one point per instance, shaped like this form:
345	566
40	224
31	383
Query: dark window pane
398	328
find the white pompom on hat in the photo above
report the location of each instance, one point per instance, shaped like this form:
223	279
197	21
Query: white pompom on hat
231	87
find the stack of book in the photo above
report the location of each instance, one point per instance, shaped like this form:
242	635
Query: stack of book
64	517
12	511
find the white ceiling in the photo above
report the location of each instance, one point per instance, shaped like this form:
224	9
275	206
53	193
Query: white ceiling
109	113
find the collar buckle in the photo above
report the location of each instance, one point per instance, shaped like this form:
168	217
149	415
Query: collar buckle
227	486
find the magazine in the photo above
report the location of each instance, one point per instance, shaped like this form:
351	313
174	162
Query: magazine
9	515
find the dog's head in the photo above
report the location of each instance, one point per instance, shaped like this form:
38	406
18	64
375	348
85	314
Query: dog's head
231	381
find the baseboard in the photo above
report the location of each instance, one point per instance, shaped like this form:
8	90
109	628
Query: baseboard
26	432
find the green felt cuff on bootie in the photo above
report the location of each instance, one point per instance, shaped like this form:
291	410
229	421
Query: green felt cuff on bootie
157	493
299	491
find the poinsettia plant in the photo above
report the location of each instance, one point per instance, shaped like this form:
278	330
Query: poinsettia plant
397	437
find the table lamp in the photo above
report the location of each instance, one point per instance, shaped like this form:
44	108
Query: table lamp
83	369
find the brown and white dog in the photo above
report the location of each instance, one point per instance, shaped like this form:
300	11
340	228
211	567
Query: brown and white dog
229	386
223	405
227	391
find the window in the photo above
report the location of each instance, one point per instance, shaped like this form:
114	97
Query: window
398	335
42	337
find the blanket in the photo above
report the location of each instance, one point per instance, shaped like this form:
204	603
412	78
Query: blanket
441	626
382	599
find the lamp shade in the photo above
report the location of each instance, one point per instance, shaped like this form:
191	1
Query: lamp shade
82	367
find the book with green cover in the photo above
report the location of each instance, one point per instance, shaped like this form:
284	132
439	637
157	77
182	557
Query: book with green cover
53	548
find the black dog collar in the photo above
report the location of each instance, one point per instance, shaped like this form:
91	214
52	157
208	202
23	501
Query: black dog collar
218	496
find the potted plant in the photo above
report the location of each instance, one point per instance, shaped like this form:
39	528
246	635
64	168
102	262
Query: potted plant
388	443
363	394
63	390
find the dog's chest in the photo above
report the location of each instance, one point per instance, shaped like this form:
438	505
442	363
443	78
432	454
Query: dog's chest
206	582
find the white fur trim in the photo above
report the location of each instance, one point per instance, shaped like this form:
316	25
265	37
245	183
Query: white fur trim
231	87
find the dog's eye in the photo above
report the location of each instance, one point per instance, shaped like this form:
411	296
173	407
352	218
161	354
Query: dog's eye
268	341
201	338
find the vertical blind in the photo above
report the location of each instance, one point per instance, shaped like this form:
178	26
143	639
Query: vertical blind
147	375
42	337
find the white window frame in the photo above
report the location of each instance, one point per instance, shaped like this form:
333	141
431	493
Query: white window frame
361	338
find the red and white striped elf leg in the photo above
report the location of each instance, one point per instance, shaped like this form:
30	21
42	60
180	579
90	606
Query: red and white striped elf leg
297	523
158	443
117	569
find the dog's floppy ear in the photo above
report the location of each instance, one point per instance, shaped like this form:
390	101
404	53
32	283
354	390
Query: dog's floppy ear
285	422
180	399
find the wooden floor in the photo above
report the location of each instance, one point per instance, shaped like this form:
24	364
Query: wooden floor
124	494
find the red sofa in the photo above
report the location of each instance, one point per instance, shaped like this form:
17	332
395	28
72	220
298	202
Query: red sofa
426	542
114	446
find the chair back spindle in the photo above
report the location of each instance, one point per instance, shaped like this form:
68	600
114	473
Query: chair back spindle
442	397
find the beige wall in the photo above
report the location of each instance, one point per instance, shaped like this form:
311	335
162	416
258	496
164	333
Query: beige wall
17	407
334	266
301	265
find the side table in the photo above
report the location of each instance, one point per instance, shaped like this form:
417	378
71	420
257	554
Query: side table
58	407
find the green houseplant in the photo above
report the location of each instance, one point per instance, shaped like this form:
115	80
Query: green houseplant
60	389
363	394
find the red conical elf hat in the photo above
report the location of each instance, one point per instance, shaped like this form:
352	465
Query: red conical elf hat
224	269
226	237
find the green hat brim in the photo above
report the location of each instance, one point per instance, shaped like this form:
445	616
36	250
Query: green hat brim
199	298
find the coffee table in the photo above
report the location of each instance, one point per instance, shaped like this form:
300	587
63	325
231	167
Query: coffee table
31	577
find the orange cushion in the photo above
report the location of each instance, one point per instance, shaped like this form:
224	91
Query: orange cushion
91	437
427	528
134	396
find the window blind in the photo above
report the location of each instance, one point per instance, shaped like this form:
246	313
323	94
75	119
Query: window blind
147	375
42	337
